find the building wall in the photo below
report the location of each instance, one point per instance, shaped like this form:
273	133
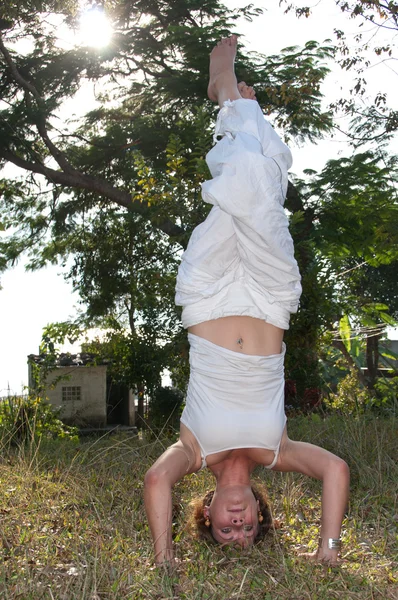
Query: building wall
81	395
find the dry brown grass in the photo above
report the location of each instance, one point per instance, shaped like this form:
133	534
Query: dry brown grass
72	524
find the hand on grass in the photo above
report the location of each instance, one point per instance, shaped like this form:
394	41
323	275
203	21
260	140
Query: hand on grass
330	559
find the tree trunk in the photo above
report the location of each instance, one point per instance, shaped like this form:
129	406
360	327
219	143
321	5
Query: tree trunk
372	360
140	407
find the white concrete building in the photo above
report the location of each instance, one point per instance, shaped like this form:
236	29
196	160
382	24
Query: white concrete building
86	395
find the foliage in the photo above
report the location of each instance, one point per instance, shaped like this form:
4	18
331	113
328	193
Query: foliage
386	394
114	194
26	420
137	361
355	204
53	336
348	236
179	362
153	79
371	119
128	277
165	409
350	398
344	227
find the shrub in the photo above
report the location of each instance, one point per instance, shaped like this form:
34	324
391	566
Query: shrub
165	409
351	397
27	419
387	393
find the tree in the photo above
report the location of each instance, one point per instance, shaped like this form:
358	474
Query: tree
354	237
157	73
384	13
119	190
350	244
371	119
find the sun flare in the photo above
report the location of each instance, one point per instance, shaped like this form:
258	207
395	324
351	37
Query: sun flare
95	29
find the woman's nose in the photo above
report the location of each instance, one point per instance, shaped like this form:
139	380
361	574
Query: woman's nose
237	520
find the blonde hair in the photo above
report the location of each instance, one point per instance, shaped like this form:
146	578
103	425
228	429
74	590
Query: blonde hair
197	518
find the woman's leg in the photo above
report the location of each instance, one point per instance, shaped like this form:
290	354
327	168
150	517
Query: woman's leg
222	82
249	236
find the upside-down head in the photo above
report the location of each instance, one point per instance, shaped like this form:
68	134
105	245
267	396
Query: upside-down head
237	515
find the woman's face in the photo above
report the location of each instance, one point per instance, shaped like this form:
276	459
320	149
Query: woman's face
233	514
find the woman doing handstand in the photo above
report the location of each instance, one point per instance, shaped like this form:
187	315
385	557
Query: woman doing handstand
238	283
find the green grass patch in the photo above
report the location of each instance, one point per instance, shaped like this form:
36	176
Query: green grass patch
73	525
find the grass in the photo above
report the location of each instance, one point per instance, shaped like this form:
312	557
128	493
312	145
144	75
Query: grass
73	526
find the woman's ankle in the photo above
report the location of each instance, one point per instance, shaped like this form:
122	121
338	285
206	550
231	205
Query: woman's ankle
224	87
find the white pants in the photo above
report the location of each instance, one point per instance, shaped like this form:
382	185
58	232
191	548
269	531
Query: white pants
240	260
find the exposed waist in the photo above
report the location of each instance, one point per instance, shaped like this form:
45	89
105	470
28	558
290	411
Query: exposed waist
242	334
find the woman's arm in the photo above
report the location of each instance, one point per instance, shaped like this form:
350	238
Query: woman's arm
335	476
171	466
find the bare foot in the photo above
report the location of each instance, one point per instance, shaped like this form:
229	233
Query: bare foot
246	91
222	83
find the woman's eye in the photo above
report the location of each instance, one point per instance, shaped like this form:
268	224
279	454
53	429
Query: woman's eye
248	528
226	530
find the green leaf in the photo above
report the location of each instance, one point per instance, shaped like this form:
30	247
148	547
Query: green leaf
389	354
388	319
345	331
379	306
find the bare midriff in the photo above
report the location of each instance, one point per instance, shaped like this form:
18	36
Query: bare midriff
241	334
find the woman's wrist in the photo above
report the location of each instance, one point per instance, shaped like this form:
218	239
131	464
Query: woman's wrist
330	543
164	555
328	551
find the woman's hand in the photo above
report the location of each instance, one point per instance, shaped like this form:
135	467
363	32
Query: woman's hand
335	476
331	558
171	466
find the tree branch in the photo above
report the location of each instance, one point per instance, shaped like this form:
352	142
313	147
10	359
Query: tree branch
41	122
82	181
69	176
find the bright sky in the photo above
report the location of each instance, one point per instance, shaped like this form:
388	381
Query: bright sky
29	301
